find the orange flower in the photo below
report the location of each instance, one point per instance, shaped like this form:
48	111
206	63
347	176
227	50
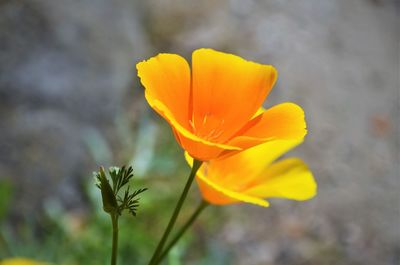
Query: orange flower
213	108
251	176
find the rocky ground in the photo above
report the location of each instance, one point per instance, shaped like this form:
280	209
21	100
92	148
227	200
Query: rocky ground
69	100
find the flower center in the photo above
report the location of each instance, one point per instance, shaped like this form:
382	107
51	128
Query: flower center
209	128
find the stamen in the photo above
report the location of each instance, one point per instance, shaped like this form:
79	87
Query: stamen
205	119
191	124
214	134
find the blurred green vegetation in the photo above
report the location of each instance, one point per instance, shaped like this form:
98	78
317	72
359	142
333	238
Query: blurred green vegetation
69	238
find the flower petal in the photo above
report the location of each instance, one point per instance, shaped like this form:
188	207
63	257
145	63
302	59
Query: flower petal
239	170
289	178
227	91
281	122
190	142
202	149
259	112
166	78
216	194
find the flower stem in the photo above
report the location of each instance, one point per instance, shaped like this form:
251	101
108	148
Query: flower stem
180	233
114	220
196	166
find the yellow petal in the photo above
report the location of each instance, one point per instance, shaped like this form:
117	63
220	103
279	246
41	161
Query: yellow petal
217	194
227	91
259	112
289	178
212	195
281	122
238	170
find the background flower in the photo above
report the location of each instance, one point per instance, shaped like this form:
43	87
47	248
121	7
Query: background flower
21	261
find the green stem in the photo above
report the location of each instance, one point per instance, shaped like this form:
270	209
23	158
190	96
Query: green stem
196	166
114	220
180	233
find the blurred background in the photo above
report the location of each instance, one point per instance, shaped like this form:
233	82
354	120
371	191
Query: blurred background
70	101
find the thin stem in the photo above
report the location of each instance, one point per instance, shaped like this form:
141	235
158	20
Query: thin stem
196	166
182	231
114	219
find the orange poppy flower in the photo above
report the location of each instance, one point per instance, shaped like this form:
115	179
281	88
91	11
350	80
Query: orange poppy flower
251	176
212	109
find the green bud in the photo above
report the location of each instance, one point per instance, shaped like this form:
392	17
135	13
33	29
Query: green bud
110	204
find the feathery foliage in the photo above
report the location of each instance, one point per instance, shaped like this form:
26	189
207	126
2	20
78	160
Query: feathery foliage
113	202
